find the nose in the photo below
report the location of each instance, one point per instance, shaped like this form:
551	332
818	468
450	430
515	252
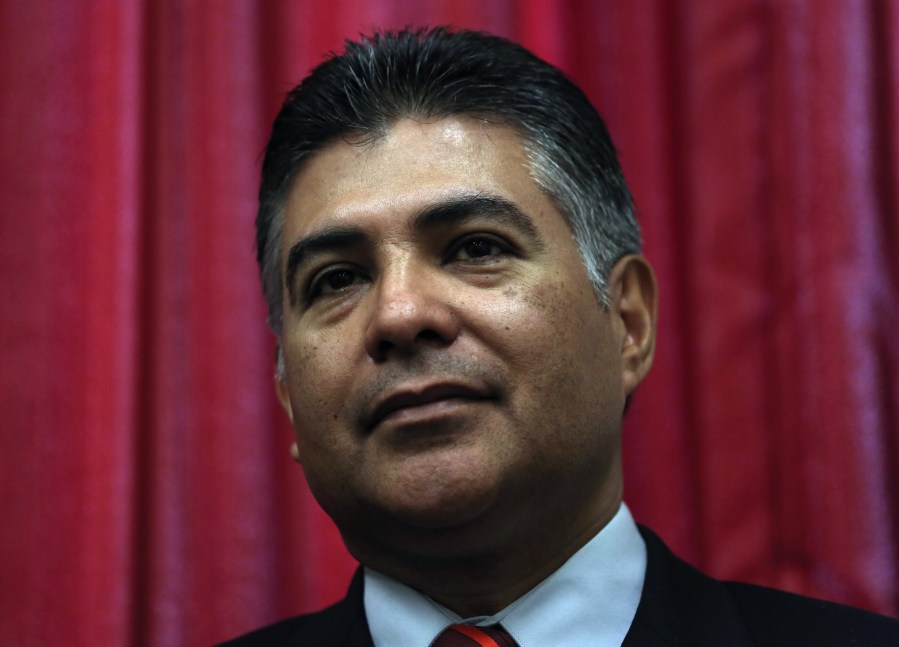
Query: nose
410	311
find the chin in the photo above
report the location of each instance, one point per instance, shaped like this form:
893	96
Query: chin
443	514
438	499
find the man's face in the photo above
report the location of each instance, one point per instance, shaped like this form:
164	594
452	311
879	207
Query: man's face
448	365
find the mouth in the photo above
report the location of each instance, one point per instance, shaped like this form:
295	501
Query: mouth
422	401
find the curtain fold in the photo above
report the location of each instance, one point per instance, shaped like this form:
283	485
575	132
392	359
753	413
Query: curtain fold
148	495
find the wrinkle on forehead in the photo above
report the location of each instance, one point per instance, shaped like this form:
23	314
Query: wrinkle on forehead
344	179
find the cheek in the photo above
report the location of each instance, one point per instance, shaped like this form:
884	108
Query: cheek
319	374
545	325
559	347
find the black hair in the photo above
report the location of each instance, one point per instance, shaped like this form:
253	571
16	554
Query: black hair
429	74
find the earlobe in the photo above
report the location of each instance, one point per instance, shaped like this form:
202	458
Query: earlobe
634	295
284	398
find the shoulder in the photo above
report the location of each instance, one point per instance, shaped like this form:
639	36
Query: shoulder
342	623
323	627
780	618
679	600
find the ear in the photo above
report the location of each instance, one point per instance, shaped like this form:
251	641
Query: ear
633	294
284	398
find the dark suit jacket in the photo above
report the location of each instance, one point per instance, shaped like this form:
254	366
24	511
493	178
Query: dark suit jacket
679	606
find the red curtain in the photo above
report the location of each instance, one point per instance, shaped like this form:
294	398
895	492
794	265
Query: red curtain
146	489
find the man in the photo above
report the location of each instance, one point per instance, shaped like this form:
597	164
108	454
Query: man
451	264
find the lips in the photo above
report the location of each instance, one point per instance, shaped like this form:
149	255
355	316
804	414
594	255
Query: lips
416	397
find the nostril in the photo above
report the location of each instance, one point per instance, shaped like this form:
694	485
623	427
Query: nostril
429	335
406	322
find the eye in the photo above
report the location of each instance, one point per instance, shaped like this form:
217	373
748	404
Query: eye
478	247
333	280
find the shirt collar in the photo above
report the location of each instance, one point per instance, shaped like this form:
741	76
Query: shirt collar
591	599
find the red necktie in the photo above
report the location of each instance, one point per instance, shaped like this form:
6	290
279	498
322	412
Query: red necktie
471	636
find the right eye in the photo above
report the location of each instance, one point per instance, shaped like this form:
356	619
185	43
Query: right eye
333	280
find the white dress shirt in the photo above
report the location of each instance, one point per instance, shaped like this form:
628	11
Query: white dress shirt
590	600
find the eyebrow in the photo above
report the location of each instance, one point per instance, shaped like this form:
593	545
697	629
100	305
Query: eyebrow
463	208
454	210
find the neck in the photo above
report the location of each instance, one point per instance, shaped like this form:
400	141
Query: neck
495	589
485	582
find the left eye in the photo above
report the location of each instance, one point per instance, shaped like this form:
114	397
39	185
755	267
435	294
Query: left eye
334	280
478	247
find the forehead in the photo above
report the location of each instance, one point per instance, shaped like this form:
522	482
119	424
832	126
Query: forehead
415	164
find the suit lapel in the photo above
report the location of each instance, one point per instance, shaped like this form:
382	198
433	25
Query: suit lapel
355	624
681	606
343	624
